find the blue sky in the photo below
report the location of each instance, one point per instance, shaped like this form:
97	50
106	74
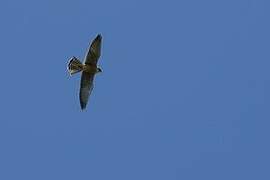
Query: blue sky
184	92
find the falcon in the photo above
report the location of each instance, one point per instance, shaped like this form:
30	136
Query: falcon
88	68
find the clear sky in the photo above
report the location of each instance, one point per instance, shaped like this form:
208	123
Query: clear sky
184	93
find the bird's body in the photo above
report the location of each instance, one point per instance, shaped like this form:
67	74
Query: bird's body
89	68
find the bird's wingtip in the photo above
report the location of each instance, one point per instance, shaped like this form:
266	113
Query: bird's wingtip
83	106
99	36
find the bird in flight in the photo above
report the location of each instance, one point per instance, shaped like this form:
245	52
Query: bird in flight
89	69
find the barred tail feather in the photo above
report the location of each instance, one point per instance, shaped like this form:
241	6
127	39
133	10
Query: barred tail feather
74	66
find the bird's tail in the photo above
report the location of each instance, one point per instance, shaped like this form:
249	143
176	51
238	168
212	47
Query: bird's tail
74	66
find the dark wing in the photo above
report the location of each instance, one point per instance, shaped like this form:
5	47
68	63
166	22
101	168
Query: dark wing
93	53
86	88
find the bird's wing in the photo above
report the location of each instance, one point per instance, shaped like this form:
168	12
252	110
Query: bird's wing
93	53
86	88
